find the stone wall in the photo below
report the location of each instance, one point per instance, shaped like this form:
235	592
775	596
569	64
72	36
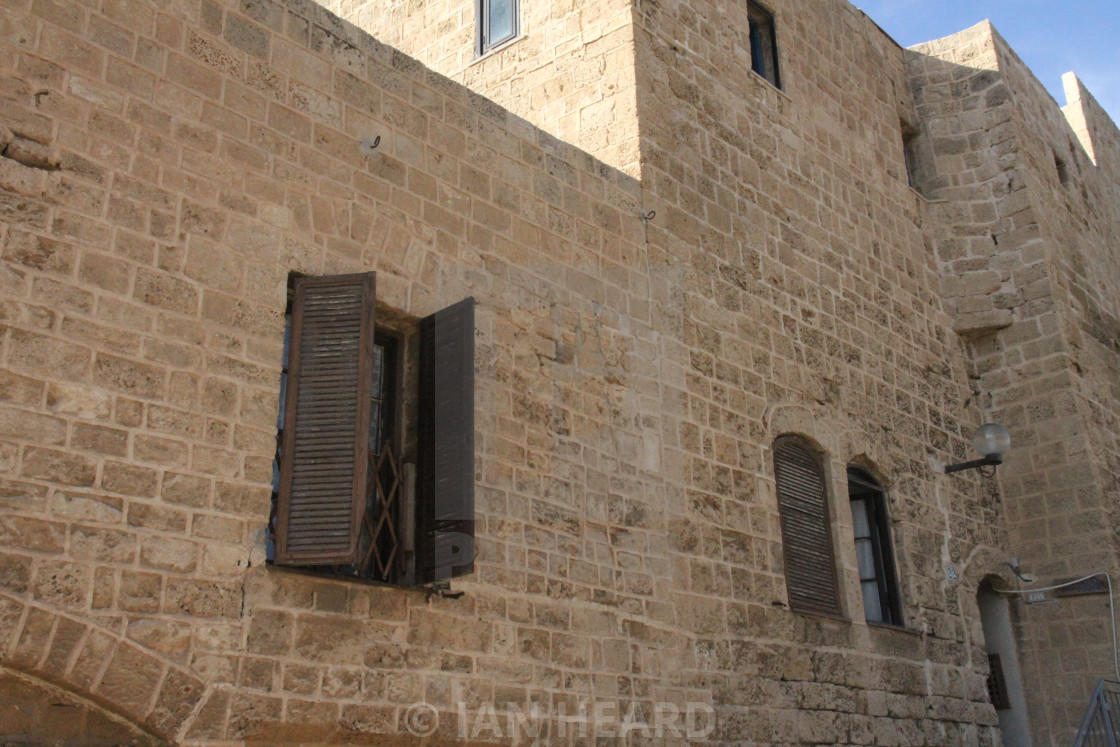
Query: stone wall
1027	252
570	71
811	304
1078	207
34	713
203	152
163	170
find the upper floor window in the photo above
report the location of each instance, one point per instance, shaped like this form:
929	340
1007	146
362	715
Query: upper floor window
343	502
497	23
806	527
764	43
871	527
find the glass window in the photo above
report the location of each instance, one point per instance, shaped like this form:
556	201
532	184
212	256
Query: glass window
871	530
497	23
764	44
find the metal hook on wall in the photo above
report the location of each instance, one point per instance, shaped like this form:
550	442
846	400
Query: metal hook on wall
369	145
647	215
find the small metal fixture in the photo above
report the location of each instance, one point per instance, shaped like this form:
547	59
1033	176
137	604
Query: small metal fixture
991	441
647	215
1014	566
369	145
442	589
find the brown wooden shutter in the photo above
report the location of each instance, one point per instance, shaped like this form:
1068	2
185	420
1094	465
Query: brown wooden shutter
325	446
806	528
445	454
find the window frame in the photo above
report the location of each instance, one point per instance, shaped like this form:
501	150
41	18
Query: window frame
484	44
763	37
343	336
870	492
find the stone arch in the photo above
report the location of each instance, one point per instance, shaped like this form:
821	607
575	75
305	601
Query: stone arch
102	671
985	563
781	419
34	711
854	447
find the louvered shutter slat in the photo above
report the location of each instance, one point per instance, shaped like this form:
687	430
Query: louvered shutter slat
325	440
806	528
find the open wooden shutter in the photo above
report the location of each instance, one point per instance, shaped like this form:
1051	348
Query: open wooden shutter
445	454
325	446
806	528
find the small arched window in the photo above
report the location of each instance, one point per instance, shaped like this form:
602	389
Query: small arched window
872	530
806	527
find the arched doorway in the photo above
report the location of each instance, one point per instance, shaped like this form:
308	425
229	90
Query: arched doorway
1005	684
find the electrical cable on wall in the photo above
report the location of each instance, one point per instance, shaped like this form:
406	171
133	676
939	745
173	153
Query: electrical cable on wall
1111	607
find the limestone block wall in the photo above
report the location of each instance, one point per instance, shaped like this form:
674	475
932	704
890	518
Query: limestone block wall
166	166
196	155
809	287
1027	250
569	72
1079	217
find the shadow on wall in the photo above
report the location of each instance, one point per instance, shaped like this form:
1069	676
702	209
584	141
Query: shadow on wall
34	712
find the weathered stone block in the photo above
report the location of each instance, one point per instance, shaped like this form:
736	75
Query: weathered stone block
202	599
59	467
102	545
130	480
62	583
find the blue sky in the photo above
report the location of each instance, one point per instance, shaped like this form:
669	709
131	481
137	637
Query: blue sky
1051	37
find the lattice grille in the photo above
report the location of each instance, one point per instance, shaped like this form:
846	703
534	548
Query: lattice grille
380	521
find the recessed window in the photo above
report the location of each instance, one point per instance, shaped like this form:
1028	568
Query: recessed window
363	407
497	23
871	529
764	43
1062	168
997	684
910	154
806	527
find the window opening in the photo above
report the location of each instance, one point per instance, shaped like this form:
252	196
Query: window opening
997	685
383	498
1062	168
344	501
497	23
764	43
910	155
871	529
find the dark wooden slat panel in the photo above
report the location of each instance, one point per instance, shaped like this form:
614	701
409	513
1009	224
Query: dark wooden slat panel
325	449
806	528
445	520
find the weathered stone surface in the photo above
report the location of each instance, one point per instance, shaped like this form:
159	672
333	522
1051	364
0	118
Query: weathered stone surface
61	583
37	711
681	264
131	680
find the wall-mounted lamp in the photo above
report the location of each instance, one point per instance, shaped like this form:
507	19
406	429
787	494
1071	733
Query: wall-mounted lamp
991	441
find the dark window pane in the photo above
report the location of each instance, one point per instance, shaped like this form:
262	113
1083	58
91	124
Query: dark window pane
375	427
